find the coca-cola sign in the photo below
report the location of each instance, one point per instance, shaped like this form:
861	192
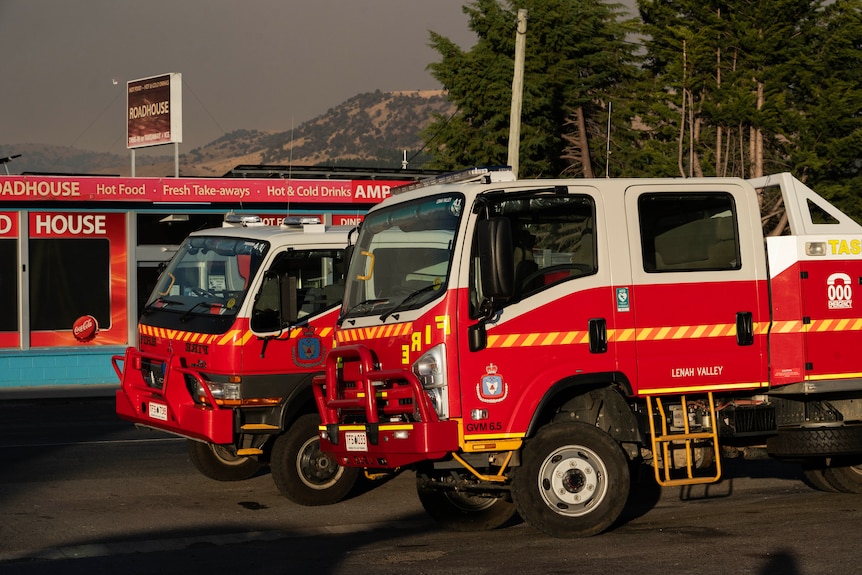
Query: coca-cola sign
85	328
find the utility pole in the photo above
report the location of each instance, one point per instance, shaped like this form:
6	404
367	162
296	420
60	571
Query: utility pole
517	92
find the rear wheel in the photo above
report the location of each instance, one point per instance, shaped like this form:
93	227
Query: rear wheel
814	474
220	462
302	472
845	475
461	511
573	481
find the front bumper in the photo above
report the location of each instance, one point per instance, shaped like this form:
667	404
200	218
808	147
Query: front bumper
388	446
399	425
171	407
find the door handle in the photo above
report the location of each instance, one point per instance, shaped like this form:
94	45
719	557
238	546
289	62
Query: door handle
744	328
598	335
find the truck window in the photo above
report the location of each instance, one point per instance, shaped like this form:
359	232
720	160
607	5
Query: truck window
688	232
554	241
298	284
402	256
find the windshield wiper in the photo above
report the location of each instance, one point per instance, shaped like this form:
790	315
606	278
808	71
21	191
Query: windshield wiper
186	315
162	300
411	296
368	302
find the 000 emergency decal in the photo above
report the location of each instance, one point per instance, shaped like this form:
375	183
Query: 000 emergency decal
839	290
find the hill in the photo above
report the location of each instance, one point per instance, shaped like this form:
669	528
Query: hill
369	130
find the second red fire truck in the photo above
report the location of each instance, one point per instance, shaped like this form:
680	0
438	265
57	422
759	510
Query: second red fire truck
236	327
521	343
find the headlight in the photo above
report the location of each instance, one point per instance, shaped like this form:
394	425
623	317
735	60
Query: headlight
430	368
225	391
225	394
153	373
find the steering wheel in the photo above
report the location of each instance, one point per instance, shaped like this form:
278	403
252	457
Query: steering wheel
205	292
575	269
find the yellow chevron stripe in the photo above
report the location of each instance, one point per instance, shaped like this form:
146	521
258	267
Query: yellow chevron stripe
656	333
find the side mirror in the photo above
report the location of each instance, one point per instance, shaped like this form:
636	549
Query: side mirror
477	336
496	257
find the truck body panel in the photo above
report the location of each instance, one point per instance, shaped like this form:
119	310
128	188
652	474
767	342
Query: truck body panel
654	310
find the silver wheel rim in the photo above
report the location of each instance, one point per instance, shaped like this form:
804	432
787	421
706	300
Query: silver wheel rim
573	480
226	456
316	469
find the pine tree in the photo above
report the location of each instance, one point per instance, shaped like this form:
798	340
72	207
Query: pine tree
826	86
576	59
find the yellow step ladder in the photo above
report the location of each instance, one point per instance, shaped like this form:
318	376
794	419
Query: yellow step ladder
669	439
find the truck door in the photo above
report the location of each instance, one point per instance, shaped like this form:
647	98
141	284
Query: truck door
698	296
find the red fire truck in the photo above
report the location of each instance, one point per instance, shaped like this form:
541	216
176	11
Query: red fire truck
521	343
238	323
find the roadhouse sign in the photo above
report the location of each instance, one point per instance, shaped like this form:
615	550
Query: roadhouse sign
90	188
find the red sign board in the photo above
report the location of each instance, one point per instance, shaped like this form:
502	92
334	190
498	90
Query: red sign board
154	108
185	190
8	224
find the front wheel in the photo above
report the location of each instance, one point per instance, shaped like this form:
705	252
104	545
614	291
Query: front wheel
302	472
220	462
573	481
461	511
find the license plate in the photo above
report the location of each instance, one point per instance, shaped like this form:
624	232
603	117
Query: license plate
356	441
158	411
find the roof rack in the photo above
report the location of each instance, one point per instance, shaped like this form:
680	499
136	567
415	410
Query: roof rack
484	175
234	220
299	221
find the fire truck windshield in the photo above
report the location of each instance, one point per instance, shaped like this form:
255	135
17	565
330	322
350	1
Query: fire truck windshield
208	276
402	256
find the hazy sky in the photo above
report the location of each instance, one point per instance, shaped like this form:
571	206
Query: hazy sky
246	64
251	64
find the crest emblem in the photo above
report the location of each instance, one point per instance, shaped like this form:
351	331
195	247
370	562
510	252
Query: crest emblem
492	388
309	350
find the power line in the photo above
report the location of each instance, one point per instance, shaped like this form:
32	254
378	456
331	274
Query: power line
186	84
102	113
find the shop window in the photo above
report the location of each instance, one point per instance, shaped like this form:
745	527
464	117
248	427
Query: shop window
9	285
172	229
69	278
77	270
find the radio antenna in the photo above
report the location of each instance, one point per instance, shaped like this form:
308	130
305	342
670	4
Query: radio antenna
608	143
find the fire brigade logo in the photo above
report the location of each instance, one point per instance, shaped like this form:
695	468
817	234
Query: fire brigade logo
492	388
309	350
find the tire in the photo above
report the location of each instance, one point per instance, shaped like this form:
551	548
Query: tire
814	475
220	462
573	481
845	475
302	472
816	442
459	511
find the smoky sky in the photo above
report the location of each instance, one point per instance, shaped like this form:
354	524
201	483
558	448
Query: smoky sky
250	64
246	64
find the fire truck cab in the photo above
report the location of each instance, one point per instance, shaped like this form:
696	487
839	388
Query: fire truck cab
519	343
237	325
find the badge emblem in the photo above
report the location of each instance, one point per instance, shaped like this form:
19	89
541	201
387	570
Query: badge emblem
309	350
492	388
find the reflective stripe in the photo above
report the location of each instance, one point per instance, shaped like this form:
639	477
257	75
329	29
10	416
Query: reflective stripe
368	333
669	333
234	337
658	333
